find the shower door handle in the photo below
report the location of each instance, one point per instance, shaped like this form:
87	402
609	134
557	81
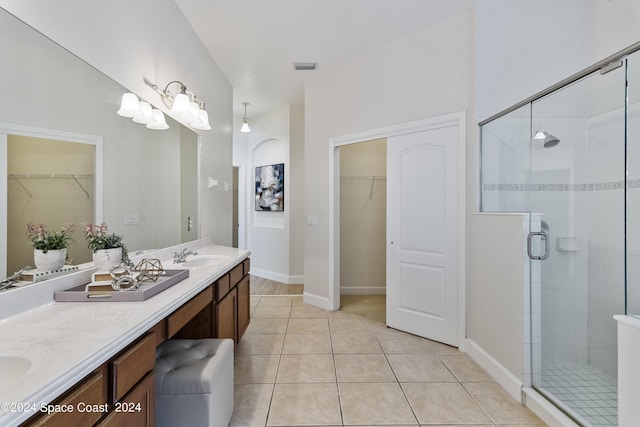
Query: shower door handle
545	239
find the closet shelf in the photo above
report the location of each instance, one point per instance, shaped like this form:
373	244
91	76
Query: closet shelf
18	177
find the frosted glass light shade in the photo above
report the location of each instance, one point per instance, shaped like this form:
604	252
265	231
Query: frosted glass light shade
540	135
159	122
203	123
145	117
245	127
129	106
181	104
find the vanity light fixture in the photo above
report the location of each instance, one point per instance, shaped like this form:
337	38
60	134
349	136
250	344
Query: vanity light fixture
142	112
185	105
245	123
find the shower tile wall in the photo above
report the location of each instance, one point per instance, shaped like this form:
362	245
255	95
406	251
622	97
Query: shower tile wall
606	238
562	173
577	176
633	202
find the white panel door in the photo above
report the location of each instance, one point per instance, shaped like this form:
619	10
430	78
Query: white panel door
422	233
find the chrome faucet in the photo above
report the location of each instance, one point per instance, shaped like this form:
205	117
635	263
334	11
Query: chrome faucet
180	257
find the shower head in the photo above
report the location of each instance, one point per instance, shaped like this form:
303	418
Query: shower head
548	140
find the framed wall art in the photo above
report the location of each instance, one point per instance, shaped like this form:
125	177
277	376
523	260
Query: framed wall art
270	188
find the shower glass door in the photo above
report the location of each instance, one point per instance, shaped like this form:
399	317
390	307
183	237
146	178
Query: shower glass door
577	202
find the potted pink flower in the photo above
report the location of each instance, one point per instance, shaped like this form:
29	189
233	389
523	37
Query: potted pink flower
108	248
49	247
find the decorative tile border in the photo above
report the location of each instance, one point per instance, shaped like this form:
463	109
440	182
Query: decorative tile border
614	185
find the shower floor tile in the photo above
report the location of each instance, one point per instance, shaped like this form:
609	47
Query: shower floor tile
588	392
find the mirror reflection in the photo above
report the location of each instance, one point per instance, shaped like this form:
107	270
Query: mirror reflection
149	177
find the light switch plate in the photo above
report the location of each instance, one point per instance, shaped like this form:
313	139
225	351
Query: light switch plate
133	219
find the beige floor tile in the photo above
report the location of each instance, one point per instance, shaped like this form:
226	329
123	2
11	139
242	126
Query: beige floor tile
500	405
361	342
541	424
393	342
306	368
267	326
363	368
251	404
374	404
321	405
341	314
445	403
308	326
308	311
276	301
260	344
272	312
464	368
297	299
256	369
367	306
348	325
419	368
307	344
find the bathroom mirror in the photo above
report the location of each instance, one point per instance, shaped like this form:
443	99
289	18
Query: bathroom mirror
149	177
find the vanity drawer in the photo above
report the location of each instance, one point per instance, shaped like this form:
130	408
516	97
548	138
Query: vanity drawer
221	287
89	393
246	266
128	367
236	274
184	314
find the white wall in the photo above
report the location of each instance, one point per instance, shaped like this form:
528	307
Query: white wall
496	272
296	193
151	39
424	75
275	238
524	46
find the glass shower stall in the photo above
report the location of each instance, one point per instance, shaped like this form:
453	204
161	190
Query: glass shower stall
570	157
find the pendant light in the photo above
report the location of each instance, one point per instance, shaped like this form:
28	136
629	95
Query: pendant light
245	123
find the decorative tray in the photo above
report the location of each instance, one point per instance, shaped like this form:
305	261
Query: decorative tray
102	291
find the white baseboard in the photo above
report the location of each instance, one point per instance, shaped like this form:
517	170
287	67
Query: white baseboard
315	300
499	373
277	277
540	406
363	290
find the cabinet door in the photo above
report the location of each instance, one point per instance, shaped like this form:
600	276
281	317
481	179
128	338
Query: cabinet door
226	316
244	309
136	409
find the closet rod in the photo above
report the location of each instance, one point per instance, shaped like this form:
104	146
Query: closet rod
364	177
75	176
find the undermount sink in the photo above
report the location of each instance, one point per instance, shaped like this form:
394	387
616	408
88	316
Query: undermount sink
12	368
203	260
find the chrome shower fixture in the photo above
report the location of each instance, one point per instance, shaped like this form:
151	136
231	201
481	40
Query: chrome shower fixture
548	140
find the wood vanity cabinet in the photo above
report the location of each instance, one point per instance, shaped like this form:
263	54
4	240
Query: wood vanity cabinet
121	392
227	315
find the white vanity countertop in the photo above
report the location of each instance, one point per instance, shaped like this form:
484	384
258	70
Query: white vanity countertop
65	341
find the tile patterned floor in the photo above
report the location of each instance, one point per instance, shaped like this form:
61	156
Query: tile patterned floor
587	392
298	365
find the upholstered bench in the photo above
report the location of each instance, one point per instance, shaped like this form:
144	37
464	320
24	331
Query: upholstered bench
194	383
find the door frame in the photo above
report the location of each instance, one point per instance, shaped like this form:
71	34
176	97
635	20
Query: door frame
456	119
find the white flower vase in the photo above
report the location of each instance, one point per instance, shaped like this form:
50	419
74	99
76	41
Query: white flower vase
106	259
52	260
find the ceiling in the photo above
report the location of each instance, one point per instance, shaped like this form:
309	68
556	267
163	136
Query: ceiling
256	42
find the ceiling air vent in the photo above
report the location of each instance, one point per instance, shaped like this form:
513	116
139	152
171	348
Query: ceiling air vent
305	66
